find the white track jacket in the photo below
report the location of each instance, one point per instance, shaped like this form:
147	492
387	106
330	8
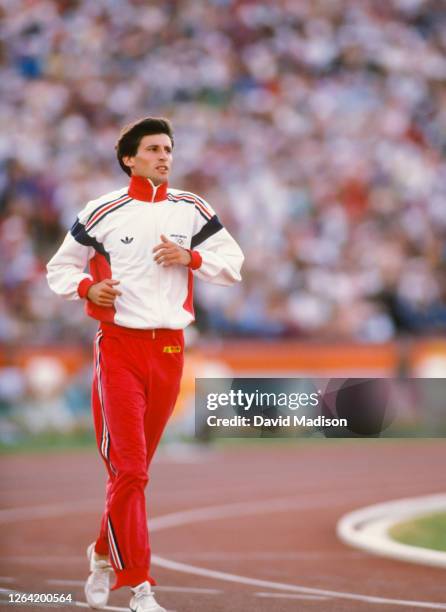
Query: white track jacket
113	237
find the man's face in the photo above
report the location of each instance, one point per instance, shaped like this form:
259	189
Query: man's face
153	158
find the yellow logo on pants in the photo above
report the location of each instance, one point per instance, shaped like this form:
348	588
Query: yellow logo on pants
172	349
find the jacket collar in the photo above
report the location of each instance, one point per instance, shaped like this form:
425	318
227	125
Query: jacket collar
142	188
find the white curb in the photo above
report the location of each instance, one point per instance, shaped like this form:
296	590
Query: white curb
367	529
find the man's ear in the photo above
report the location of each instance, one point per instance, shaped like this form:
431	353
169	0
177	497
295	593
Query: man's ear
129	161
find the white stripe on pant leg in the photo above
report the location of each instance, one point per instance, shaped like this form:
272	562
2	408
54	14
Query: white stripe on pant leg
105	446
114	546
105	442
112	551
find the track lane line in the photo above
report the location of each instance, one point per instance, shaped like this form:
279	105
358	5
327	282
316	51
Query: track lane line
217	575
31	513
289	596
76	604
212	513
176	519
173	589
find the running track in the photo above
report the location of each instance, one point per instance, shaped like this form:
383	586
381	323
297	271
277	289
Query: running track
240	529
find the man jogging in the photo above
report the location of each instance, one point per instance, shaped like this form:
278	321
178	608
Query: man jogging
142	245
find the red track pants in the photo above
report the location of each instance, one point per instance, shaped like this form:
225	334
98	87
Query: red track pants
136	383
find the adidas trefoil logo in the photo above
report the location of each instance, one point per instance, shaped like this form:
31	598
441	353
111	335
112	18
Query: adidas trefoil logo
126	240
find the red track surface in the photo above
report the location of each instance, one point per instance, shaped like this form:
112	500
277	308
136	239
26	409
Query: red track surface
292	541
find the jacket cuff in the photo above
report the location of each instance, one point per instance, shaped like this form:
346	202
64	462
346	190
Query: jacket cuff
195	260
84	286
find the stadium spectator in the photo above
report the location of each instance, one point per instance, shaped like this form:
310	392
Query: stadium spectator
322	125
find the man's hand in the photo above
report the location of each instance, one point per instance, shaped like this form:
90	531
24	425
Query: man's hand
103	293
170	254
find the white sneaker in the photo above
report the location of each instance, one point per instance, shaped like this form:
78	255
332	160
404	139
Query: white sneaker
143	599
97	587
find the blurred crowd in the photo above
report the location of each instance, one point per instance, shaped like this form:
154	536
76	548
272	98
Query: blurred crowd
316	129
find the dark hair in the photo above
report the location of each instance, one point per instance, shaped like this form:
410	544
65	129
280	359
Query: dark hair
131	135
